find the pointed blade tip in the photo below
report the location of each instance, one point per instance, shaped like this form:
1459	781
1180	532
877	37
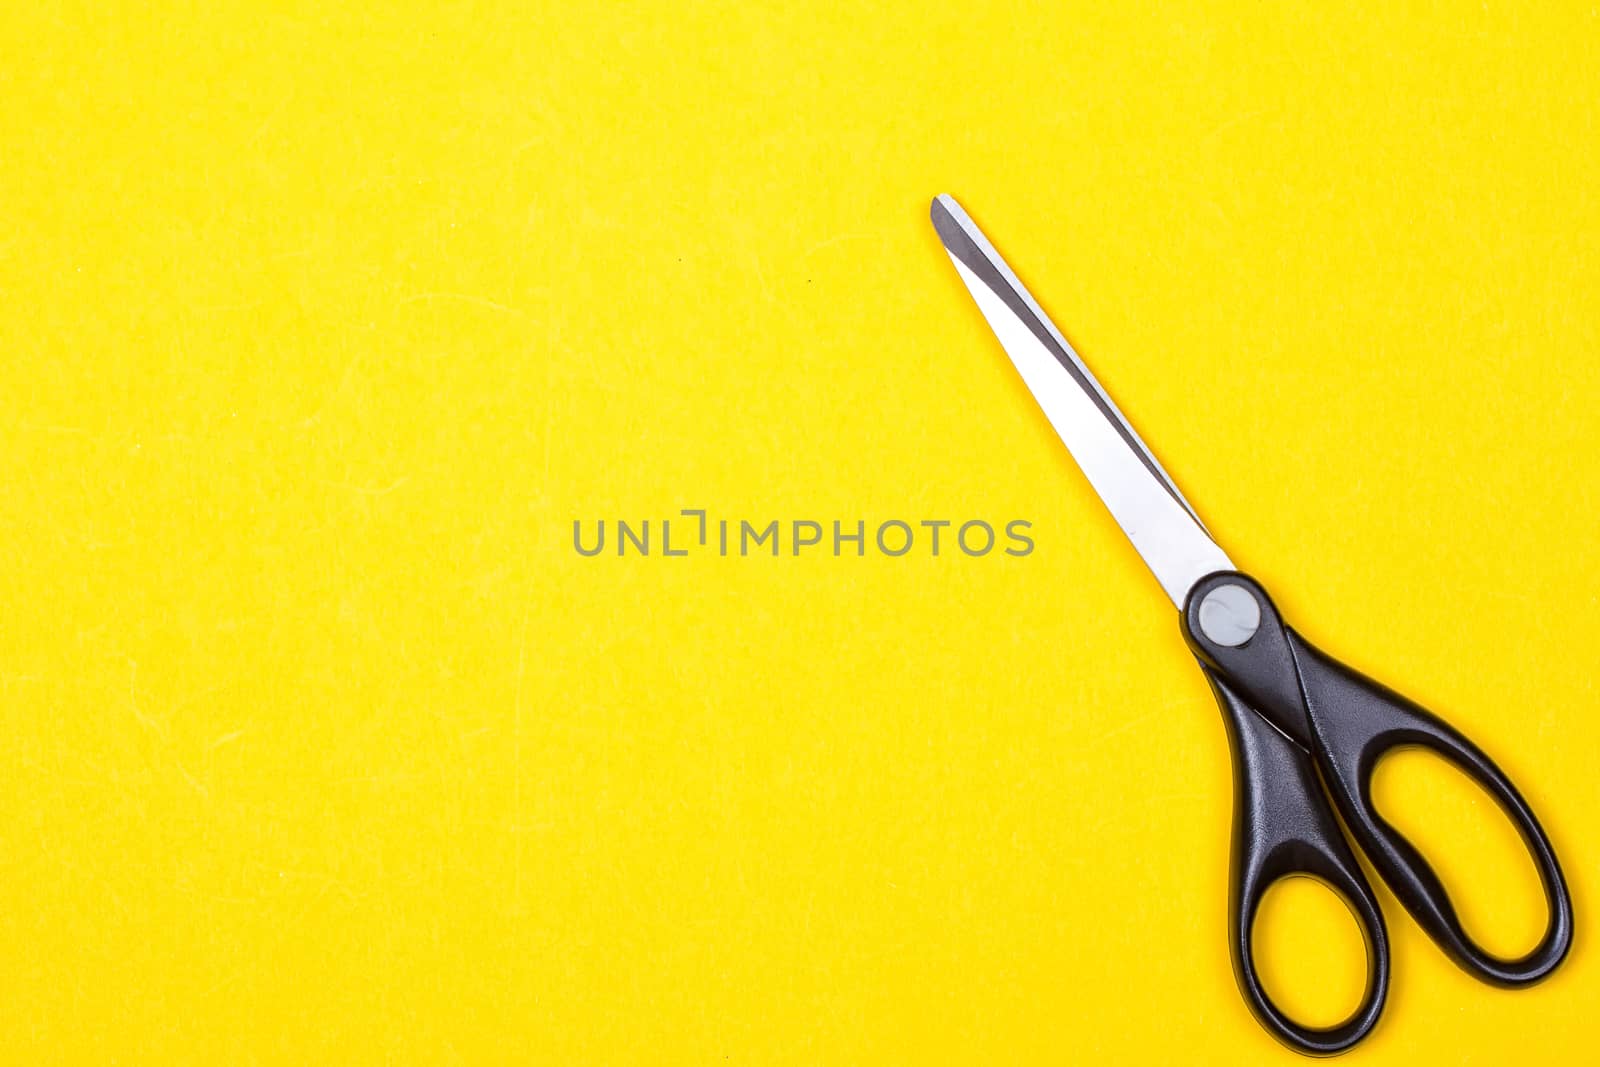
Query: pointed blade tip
946	215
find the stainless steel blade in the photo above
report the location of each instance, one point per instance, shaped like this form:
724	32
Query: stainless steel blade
1121	468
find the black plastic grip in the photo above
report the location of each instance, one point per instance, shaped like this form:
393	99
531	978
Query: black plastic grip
1348	723
1282	827
1356	722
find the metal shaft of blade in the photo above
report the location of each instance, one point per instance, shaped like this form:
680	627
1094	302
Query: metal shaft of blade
1139	494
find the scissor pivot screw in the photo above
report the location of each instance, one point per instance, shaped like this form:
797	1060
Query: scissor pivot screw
1230	615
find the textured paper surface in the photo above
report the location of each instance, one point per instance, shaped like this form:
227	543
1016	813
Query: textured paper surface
321	326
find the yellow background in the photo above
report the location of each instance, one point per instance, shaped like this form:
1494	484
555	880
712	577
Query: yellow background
321	326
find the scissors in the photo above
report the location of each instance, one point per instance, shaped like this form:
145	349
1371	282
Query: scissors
1303	727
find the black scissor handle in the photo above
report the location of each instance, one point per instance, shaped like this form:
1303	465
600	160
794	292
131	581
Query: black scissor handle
1357	722
1348	722
1282	828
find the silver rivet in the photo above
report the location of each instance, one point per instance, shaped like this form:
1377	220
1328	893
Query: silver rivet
1230	616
